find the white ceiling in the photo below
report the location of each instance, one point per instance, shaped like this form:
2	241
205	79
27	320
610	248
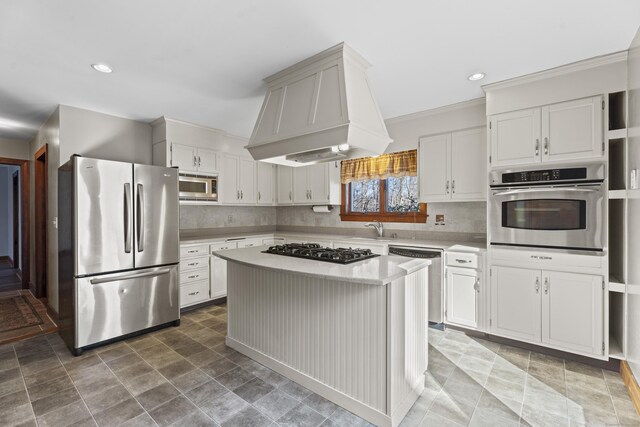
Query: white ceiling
204	61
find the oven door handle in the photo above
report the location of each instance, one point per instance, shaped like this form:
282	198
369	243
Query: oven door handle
546	190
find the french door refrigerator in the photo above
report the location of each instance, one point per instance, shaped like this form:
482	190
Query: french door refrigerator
118	249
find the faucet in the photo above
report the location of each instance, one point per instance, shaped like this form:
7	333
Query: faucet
377	225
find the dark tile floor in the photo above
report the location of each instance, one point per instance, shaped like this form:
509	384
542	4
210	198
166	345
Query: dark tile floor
186	376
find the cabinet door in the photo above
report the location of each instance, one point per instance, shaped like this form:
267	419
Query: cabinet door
434	168
572	312
300	188
516	303
207	160
218	277
515	138
462	289
228	179
318	183
468	165
183	157
572	130
265	183
247	181
285	185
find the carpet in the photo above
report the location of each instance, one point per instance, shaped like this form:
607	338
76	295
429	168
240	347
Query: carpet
16	312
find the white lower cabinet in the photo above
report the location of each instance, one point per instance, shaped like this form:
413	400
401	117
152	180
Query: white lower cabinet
194	293
462	297
556	309
218	277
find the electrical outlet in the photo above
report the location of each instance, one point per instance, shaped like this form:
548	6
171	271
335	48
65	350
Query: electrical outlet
230	219
439	219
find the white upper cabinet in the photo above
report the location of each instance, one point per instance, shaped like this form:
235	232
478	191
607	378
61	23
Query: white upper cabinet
285	185
311	185
266	179
228	184
451	166
247	181
207	160
468	165
183	157
566	131
515	138
435	168
573	130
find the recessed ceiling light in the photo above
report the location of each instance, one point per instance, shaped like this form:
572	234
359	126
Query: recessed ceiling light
103	68
476	76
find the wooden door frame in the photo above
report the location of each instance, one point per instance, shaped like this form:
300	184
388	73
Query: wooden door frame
15	219
41	185
24	223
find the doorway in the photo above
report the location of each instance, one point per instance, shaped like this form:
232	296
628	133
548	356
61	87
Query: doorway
15	260
40	197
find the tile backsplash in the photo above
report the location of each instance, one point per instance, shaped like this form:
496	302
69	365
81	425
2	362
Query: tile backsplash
460	219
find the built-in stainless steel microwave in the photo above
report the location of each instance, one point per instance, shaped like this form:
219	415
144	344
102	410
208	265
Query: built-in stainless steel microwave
198	187
561	208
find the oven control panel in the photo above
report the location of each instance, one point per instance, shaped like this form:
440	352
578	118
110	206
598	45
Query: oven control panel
544	175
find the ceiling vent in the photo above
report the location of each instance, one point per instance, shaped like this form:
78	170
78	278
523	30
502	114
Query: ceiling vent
320	109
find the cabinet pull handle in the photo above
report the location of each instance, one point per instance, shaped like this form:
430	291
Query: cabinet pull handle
546	285
537	285
463	261
194	293
191	264
199	162
237	194
241	194
195	276
447	187
537	147
289	195
476	285
259	195
194	251
546	145
195	161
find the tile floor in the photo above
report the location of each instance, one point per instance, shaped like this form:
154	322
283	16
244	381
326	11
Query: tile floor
186	376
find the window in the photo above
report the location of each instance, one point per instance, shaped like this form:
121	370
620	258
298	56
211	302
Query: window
383	188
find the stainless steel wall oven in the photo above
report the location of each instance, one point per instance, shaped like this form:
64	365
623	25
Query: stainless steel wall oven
561	208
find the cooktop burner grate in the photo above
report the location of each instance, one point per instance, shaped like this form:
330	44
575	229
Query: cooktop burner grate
317	252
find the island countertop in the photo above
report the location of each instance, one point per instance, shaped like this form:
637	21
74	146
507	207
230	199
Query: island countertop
373	271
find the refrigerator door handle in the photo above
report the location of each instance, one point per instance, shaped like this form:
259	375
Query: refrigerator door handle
119	278
140	217
127	217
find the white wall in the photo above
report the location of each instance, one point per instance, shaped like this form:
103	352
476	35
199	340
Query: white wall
633	279
69	131
102	136
14	149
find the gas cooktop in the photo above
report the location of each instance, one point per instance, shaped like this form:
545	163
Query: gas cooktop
317	252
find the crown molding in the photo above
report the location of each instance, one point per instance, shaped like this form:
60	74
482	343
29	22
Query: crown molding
573	67
439	110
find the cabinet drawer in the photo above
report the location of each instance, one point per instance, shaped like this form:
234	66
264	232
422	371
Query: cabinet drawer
194	251
223	246
194	293
462	259
194	276
247	243
194	263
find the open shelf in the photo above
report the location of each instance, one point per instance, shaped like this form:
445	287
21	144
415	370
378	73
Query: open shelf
617	163
617	238
617	110
615	349
617	194
616	325
616	285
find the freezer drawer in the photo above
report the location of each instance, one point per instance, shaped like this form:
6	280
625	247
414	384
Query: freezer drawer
111	305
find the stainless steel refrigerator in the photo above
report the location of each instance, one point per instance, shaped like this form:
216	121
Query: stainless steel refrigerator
118	250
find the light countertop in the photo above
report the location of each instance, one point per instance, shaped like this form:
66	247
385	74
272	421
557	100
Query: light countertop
352	240
374	271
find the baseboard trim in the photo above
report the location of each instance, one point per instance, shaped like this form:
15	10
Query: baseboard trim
631	383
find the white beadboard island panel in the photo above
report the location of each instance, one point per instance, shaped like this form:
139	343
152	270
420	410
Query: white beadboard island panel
359	345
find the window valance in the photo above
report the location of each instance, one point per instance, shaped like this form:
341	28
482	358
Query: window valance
402	163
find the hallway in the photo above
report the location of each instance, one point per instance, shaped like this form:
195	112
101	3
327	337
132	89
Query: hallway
9	280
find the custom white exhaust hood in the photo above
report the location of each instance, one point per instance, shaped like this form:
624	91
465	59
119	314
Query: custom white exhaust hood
320	109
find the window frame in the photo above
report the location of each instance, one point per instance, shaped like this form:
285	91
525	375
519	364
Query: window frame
347	215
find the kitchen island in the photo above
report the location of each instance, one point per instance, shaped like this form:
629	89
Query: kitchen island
355	334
